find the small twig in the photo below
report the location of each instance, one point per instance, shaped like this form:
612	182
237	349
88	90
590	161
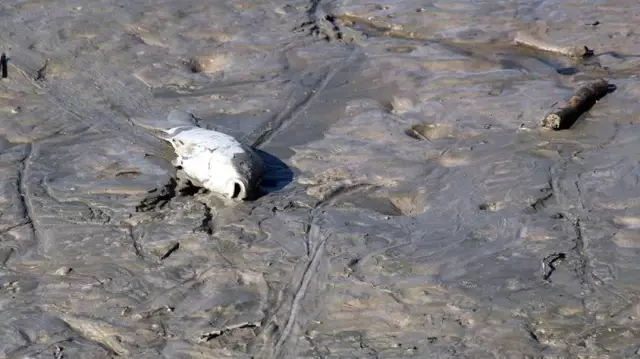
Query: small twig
528	40
552	259
136	246
170	251
41	71
3	66
579	103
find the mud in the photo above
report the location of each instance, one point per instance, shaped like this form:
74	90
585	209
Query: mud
412	206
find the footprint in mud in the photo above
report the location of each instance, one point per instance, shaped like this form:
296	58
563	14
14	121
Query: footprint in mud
429	131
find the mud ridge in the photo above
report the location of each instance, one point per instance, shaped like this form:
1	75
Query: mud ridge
584	269
137	248
218	333
158	197
24	193
207	222
294	308
331	198
294	108
92	215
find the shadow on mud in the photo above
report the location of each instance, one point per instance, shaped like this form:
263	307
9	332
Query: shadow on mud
277	174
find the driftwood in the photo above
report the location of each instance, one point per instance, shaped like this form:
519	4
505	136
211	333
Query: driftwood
581	102
528	40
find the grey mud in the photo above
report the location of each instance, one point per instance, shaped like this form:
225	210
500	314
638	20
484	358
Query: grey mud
412	205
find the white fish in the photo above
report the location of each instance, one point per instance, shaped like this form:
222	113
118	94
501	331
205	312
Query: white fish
215	160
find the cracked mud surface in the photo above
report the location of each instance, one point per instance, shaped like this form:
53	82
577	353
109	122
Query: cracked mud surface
412	206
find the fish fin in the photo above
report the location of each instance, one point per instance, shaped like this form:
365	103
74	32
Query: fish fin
162	129
179	118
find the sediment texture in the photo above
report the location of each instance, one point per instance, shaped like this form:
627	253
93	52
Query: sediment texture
411	207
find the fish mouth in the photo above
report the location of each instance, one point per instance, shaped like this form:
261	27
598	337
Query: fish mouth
237	189
242	189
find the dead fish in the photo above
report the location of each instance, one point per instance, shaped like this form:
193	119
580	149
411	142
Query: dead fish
211	159
217	161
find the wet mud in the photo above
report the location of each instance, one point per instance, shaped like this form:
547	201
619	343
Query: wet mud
412	204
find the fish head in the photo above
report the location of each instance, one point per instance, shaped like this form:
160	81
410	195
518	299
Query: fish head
249	172
244	186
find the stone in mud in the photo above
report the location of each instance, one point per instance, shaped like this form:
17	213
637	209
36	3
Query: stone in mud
209	64
401	105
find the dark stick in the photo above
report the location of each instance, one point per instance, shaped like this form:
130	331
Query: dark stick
3	65
552	258
581	102
173	248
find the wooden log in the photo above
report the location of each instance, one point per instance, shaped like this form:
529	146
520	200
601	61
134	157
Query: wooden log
528	40
581	101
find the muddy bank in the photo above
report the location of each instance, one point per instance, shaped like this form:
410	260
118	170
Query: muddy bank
412	206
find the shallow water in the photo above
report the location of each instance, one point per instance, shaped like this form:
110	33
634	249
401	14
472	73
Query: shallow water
412	207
